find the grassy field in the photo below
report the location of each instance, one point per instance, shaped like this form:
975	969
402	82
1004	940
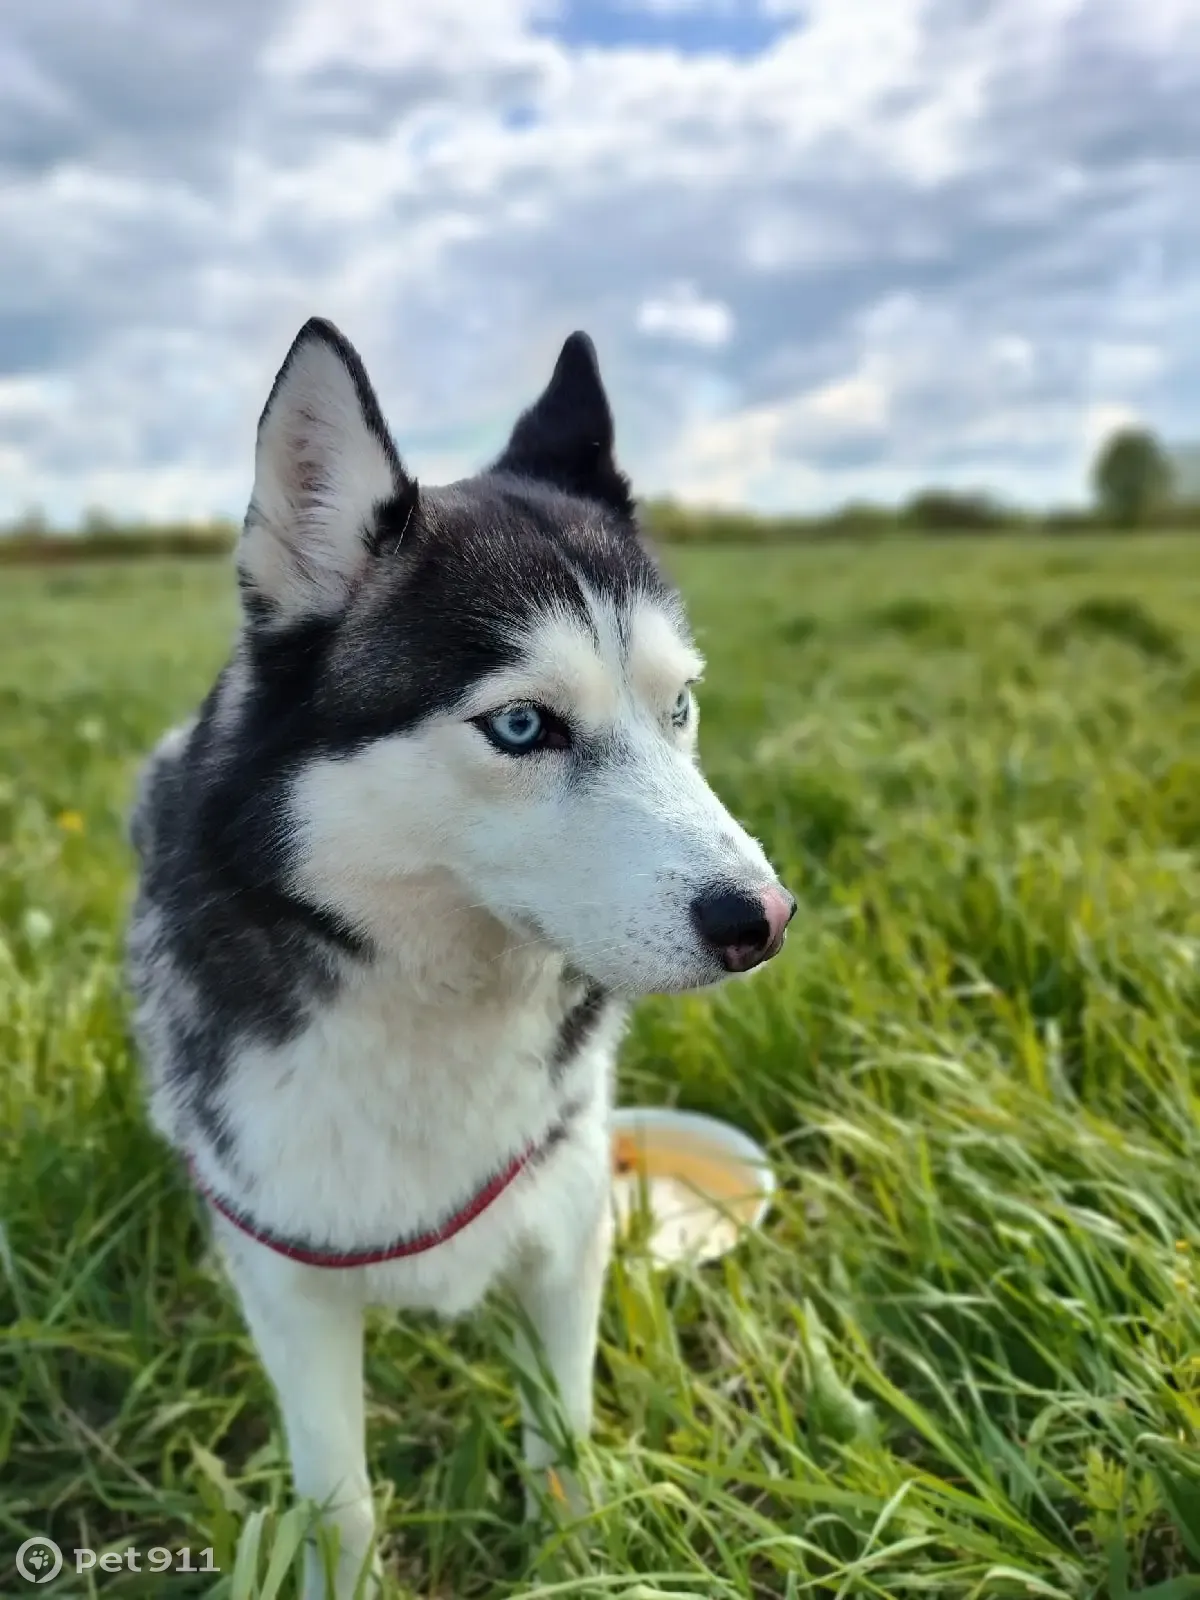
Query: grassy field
964	1357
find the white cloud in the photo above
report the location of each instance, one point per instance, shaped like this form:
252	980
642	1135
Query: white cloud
1125	365
857	404
29	398
932	239
682	313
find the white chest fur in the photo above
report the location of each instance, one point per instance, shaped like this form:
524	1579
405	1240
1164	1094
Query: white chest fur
394	1107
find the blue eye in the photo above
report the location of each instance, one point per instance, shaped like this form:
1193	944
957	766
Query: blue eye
519	730
683	706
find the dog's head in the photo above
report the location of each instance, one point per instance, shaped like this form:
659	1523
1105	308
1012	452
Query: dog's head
491	683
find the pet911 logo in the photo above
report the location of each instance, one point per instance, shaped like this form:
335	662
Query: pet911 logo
40	1560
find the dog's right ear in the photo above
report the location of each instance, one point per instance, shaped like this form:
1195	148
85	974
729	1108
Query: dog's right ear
328	484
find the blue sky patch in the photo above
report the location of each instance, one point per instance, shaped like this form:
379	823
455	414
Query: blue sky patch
724	27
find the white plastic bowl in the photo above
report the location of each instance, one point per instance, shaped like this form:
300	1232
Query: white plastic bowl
703	1181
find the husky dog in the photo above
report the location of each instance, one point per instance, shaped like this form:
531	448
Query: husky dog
438	822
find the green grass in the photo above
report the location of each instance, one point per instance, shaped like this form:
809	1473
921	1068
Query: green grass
964	1357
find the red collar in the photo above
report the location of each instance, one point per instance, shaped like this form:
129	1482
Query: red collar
408	1245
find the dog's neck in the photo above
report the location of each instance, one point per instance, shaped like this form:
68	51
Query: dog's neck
427	936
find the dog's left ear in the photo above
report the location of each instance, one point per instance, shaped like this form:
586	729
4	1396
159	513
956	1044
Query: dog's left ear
329	488
566	437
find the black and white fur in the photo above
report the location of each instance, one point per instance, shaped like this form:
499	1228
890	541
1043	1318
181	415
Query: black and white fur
375	949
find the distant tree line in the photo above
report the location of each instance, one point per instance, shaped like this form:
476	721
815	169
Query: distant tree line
1132	481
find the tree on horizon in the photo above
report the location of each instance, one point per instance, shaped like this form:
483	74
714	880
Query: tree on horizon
1131	475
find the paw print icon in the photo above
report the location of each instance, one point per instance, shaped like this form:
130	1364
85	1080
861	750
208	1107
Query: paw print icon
39	1560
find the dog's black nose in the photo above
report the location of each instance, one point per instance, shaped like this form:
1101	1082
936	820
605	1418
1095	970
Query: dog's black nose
743	929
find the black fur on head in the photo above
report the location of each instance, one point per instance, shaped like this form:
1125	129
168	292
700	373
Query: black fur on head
566	437
331	494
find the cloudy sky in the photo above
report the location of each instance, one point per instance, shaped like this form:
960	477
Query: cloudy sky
826	248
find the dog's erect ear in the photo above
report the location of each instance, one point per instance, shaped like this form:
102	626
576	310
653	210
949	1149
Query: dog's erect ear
566	437
328	484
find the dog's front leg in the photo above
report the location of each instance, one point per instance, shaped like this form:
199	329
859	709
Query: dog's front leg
560	1293
307	1325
